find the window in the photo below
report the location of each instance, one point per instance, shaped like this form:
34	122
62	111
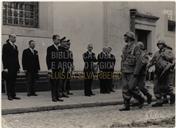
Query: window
24	14
171	26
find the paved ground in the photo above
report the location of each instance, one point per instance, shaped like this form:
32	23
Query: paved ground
44	99
95	117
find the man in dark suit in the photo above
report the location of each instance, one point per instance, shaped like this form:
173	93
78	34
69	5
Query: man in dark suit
111	65
31	66
54	70
103	74
11	65
89	60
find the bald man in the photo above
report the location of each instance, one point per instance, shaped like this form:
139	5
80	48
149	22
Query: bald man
10	65
89	60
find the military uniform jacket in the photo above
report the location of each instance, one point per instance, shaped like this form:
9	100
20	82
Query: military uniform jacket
130	54
162	58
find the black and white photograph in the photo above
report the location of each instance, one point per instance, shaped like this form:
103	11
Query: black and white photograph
88	64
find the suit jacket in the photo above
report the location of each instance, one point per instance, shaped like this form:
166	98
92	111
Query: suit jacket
10	57
102	61
30	61
89	60
54	58
111	63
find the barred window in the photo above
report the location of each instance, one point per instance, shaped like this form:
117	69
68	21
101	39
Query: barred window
24	14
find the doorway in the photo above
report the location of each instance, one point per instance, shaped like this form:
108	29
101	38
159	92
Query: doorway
143	36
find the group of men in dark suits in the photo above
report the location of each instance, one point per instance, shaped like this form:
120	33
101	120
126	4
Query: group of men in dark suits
105	62
59	61
30	62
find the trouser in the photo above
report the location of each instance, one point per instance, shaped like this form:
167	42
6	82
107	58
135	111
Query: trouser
55	84
111	87
66	82
31	78
10	83
129	93
164	87
88	78
105	82
141	85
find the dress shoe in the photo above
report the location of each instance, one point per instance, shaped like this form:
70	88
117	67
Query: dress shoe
112	90
69	93
54	100
34	94
157	104
149	99
124	109
66	96
87	95
29	95
61	100
10	98
17	98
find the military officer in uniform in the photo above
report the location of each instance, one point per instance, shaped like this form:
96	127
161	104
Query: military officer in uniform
130	54
70	67
164	64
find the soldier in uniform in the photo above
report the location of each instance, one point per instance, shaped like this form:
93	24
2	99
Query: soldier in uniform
130	54
68	67
164	64
140	72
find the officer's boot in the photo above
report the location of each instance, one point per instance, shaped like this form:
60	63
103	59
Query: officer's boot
158	103
172	99
126	106
149	98
141	101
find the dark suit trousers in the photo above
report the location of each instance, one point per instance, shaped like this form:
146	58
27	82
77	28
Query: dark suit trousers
88	83
10	83
55	86
31	78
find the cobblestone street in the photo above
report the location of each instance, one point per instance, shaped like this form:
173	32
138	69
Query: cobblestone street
95	117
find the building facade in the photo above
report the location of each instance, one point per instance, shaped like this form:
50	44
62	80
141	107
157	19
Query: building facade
99	23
